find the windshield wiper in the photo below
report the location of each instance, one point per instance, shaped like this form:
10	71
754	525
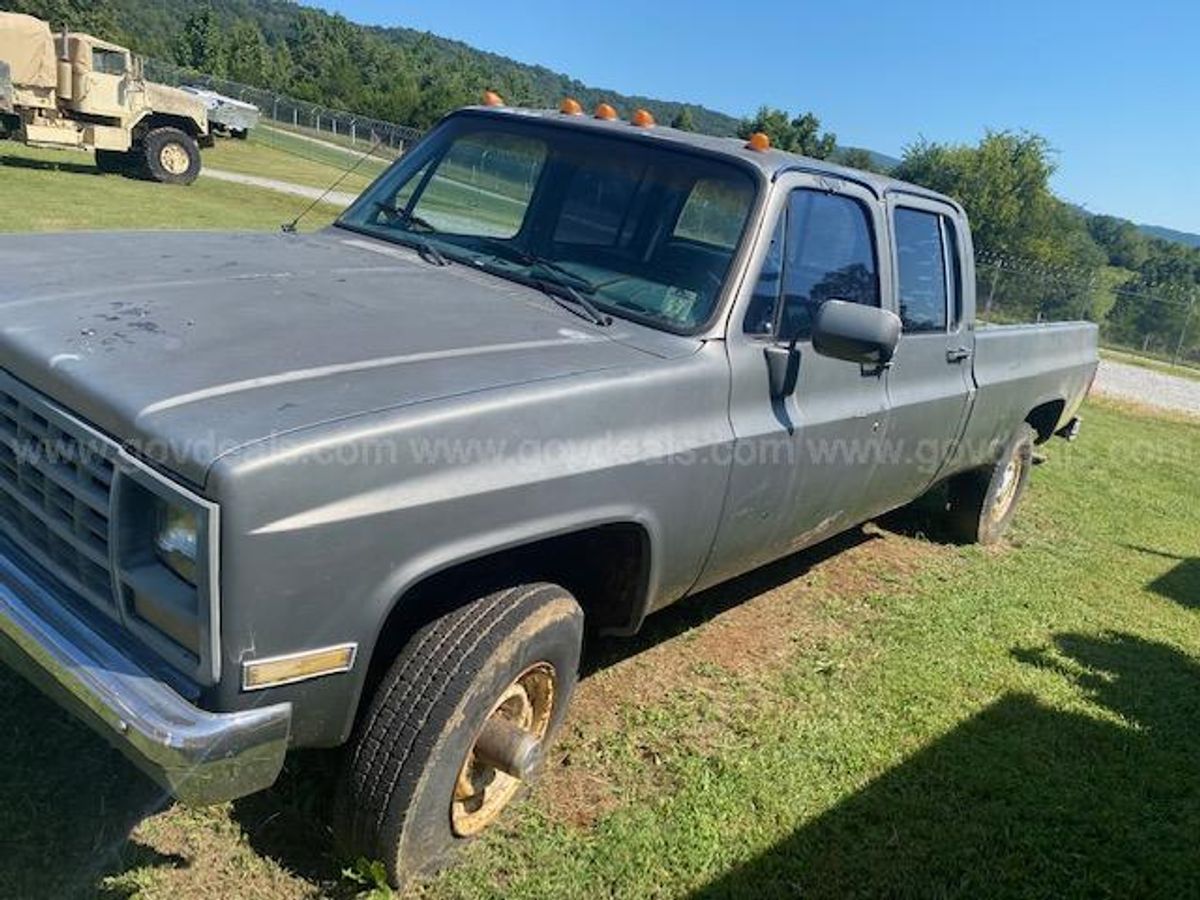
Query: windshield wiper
564	275
424	248
570	299
405	217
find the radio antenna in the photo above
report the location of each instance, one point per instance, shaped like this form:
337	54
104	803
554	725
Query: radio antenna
290	227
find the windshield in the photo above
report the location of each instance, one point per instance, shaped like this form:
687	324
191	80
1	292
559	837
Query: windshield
641	231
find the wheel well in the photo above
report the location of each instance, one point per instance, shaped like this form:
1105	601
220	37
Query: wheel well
165	120
606	568
1044	419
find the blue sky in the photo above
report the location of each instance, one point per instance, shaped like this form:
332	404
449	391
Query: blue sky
1115	87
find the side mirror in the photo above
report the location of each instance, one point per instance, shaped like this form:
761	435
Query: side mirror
855	333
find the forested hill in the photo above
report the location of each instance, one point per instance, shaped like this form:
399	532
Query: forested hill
1170	234
396	73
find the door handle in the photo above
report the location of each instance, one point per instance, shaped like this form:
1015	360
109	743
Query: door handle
958	354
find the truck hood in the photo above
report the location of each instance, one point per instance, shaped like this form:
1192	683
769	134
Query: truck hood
187	346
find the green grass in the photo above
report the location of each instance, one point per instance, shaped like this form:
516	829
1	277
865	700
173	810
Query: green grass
55	190
1157	365
274	155
947	721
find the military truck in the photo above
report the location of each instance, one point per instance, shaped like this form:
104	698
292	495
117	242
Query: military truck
77	91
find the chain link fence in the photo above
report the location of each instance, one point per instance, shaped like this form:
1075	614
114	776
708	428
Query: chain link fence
311	119
1154	322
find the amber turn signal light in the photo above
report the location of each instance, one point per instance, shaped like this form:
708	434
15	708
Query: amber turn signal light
570	107
606	111
758	141
491	98
280	670
643	119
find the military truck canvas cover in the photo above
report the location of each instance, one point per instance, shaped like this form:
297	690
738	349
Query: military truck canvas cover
28	47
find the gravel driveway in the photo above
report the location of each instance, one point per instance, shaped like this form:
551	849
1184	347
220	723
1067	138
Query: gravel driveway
1148	387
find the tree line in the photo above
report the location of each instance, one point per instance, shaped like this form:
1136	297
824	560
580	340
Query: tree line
1040	256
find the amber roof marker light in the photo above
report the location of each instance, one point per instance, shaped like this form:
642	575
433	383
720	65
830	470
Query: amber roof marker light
570	107
758	141
491	98
606	111
642	118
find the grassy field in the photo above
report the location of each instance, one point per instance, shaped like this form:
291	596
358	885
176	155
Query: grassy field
52	190
887	714
283	157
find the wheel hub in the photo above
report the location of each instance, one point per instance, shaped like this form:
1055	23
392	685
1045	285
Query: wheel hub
174	159
504	751
1008	488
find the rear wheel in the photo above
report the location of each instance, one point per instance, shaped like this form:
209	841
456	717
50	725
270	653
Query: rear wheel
458	727
984	501
170	156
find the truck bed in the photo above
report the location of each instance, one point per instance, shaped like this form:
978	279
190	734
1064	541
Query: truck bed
1021	367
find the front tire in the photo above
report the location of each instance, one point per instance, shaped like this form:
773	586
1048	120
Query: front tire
417	784
984	501
170	156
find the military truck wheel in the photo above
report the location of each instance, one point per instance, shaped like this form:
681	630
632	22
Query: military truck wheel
983	501
458	727
114	161
171	156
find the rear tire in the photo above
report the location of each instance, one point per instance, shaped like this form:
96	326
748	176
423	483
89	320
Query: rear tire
984	501
170	156
414	789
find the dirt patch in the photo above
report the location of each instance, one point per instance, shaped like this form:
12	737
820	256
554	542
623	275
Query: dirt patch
747	629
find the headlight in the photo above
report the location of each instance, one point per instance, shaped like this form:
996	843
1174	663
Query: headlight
177	540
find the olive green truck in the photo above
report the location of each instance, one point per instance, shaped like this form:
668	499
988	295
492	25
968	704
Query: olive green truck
75	91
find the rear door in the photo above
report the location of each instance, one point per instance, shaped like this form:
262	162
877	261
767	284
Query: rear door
929	384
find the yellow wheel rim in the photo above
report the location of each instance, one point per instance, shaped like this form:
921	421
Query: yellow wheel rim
481	792
174	159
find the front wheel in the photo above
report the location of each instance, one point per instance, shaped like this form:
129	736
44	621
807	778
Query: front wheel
458	727
984	501
170	156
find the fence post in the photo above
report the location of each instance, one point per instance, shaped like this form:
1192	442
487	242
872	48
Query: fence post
1187	320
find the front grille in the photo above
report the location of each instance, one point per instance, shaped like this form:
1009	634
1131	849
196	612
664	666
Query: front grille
55	489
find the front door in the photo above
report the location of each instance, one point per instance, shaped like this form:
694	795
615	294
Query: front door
802	462
107	82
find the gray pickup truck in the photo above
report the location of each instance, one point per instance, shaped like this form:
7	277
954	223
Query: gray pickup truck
549	374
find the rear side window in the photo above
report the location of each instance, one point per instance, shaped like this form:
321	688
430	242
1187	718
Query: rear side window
598	202
924	242
828	253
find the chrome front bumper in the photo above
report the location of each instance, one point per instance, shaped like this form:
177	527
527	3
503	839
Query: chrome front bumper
198	756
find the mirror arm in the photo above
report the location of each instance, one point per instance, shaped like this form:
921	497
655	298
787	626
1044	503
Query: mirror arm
783	368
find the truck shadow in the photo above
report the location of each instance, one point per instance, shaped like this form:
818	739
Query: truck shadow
68	801
1181	583
1022	800
47	165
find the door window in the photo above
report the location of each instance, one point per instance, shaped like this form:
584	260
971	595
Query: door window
108	62
828	253
923	244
